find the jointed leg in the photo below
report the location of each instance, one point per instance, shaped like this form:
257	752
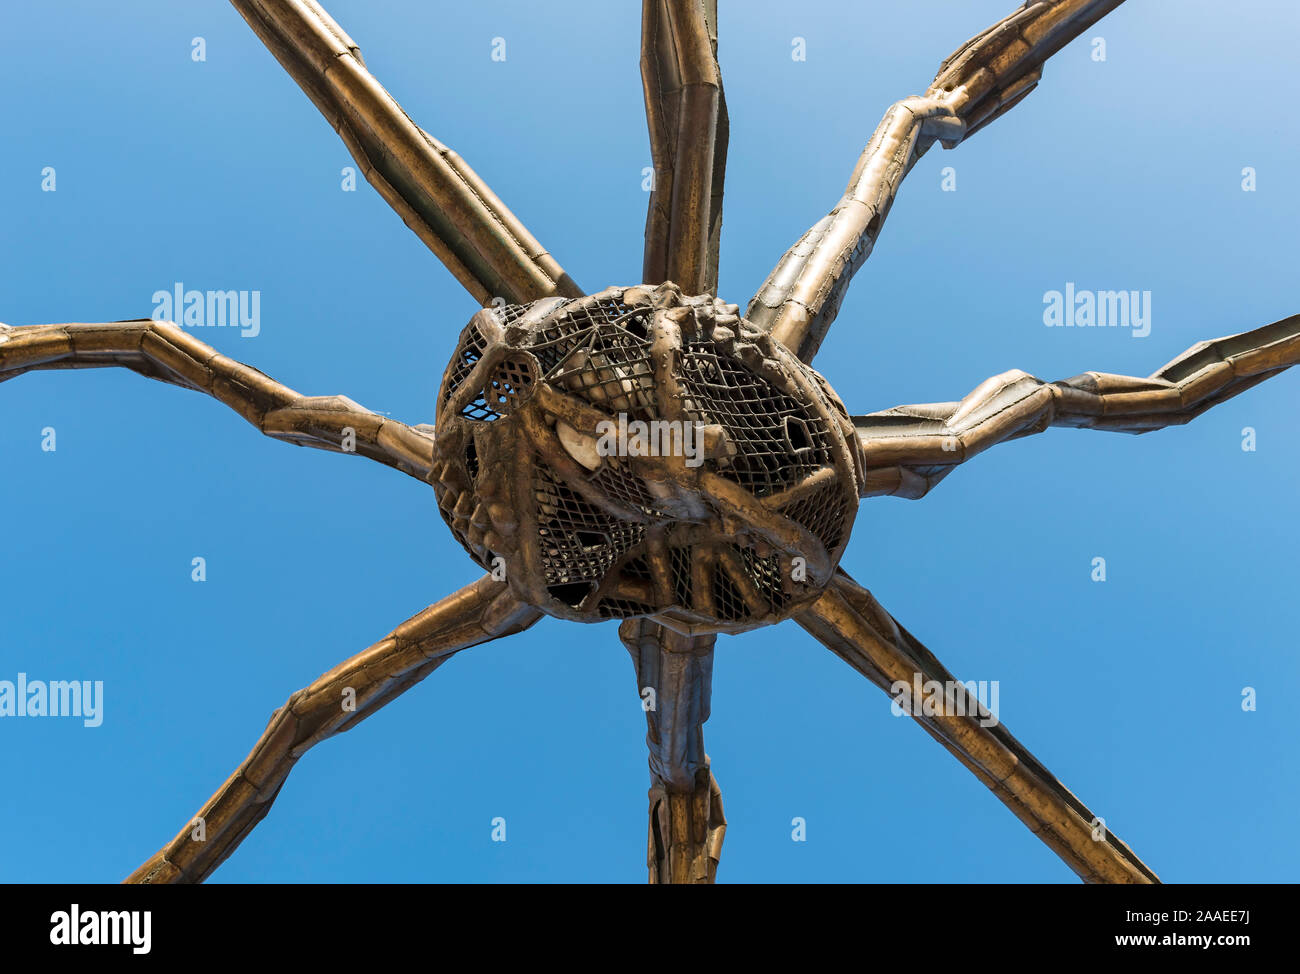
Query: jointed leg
984	78
432	189
687	116
909	449
675	679
335	702
160	350
854	627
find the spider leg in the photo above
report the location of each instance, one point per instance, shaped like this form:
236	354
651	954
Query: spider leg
909	449
436	194
675	678
982	79
376	676
160	350
687	117
853	625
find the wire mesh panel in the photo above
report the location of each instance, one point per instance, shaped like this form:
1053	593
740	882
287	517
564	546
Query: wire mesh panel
778	444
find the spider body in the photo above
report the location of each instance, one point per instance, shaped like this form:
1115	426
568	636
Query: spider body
640	452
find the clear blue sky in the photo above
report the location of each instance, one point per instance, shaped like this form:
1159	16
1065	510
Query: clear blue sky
1117	174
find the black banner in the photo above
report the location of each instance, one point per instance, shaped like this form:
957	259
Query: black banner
915	923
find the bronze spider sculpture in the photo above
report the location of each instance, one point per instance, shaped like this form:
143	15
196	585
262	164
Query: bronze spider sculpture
742	519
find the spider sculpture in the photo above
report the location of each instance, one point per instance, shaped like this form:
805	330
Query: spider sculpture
741	521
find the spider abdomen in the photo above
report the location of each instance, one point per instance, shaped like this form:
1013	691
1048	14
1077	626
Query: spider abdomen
638	452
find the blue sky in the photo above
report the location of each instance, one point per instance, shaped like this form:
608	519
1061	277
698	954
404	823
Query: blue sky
1122	174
